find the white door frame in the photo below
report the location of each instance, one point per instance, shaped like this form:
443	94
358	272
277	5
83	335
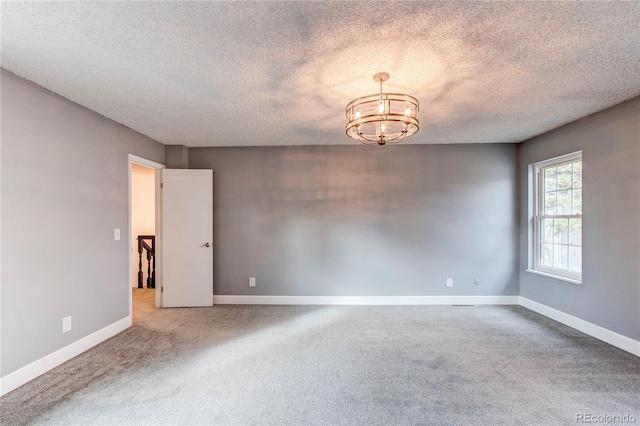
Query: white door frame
134	159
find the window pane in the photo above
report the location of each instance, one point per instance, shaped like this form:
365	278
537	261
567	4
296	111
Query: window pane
558	194
565	168
546	255
563	203
575	259
547	230
561	231
577	201
577	174
550	179
560	257
550	203
575	232
564	178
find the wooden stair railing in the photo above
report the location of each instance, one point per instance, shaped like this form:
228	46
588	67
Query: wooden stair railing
151	256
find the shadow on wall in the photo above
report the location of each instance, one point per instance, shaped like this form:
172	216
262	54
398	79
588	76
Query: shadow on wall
361	221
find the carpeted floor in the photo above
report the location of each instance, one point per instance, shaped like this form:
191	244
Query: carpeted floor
295	365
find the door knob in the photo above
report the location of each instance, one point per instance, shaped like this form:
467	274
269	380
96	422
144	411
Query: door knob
206	245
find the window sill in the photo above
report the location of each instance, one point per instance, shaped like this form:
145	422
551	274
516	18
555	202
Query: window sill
557	277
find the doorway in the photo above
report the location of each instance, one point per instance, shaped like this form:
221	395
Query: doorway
145	276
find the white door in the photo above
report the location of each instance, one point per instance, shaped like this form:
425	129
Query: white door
187	238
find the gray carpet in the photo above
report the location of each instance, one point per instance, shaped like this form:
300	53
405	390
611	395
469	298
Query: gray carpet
489	365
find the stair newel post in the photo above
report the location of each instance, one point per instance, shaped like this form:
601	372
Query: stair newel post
153	273
148	269
140	274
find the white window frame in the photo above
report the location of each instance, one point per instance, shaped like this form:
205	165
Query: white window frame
538	200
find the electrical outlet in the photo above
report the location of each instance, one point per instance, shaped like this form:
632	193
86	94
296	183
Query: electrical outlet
66	324
449	282
252	282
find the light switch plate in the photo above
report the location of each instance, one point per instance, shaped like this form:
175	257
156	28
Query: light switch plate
116	234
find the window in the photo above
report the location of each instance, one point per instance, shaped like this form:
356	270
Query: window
557	210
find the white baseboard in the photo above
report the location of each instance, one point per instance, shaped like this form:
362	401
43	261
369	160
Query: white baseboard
365	300
29	372
618	340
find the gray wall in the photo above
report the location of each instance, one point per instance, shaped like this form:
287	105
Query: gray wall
357	220
610	144
176	156
64	190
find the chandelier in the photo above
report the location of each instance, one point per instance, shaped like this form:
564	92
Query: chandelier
384	118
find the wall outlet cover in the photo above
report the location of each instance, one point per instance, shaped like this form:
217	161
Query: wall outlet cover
66	324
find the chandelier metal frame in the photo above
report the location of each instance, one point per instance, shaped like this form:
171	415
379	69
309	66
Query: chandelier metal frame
383	118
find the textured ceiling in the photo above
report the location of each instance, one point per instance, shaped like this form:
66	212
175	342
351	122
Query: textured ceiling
281	73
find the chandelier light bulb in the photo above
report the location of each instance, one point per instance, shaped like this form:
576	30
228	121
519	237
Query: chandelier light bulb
382	118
